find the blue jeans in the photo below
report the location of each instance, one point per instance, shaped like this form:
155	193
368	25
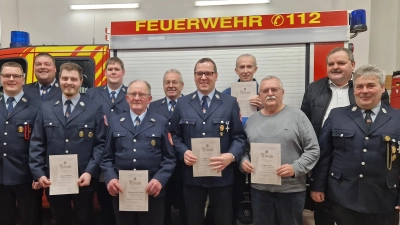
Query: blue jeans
274	208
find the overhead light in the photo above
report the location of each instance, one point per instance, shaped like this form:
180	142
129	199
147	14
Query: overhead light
230	2
105	6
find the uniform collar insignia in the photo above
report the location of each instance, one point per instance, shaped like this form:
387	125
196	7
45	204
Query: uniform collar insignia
82	104
383	110
163	101
24	99
194	96
354	108
56	84
1	98
153	120
217	96
122	119
57	102
123	89
105	87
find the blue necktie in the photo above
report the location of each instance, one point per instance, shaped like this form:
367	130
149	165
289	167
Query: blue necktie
204	104
368	119
113	96
173	103
10	105
45	90
137	123
68	111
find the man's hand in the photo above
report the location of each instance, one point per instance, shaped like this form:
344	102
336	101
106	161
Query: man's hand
285	171
154	187
255	101
397	208
114	188
44	182
319	196
189	158
84	180
220	162
36	185
247	166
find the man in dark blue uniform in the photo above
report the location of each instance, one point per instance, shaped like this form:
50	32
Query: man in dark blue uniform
173	86
112	97
203	114
18	112
359	165
138	140
71	124
46	87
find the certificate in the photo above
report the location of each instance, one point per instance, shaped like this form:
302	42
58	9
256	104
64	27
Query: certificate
63	174
244	91
134	196
266	159
204	149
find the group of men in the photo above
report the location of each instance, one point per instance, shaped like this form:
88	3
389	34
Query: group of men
347	136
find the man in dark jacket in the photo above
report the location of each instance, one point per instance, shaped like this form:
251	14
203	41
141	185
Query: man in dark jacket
321	96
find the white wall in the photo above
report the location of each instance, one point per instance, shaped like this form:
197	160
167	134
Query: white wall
52	22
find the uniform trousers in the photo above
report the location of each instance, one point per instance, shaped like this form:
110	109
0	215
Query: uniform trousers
12	195
106	205
345	216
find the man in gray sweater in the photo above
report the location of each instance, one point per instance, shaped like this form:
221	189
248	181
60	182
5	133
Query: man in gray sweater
289	127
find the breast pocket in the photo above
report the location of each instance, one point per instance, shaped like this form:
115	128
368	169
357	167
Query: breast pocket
188	126
153	142
24	128
85	131
121	141
51	128
221	127
343	140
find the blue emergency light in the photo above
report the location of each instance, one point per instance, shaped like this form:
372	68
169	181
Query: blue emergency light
19	39
358	21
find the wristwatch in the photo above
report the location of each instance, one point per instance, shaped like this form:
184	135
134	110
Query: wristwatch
233	158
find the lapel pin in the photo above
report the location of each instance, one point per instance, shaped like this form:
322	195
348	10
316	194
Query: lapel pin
383	110
56	84
20	129
163	101
57	102
153	120
82	104
122	119
81	134
217	96
194	96
153	142
354	108
90	134
24	99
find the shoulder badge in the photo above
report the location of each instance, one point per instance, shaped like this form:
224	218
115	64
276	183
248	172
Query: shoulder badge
383	110
354	108
82	104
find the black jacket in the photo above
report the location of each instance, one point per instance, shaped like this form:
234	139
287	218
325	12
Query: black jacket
317	98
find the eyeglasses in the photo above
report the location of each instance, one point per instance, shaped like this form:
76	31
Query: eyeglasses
273	90
174	83
200	74
15	76
133	95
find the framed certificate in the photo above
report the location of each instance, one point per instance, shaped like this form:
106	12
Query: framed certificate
204	149
63	174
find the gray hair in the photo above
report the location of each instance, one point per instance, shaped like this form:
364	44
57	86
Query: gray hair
246	55
147	84
173	71
370	71
338	49
269	78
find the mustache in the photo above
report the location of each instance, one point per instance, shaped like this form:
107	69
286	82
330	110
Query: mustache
336	71
270	97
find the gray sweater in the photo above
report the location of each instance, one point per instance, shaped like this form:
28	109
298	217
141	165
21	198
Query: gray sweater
299	145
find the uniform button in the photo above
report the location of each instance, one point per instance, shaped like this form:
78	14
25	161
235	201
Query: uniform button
134	168
366	138
27	123
66	140
363	163
204	134
364	150
341	135
222	121
50	124
152	135
134	160
134	140
169	123
85	126
6	122
187	122
204	122
361	176
394	185
134	150
66	151
5	143
332	174
4	154
5	133
112	110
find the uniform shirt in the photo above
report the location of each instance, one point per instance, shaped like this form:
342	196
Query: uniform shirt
210	96
134	115
74	100
40	87
374	113
169	104
116	91
17	98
